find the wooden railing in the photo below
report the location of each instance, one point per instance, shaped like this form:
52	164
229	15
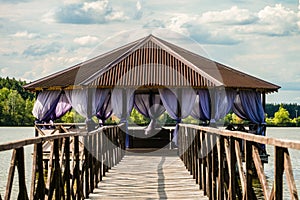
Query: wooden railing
215	160
71	169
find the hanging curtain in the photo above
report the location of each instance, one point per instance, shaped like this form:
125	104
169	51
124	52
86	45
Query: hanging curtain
79	101
118	98
248	106
103	108
221	103
150	106
171	98
201	110
45	105
63	106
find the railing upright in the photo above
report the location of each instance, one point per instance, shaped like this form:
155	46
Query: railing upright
215	160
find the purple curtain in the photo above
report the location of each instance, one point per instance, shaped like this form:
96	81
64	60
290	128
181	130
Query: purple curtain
221	103
248	106
171	99
104	109
201	108
63	106
118	97
45	105
150	106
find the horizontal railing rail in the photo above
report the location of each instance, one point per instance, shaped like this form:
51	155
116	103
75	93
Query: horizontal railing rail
65	164
224	162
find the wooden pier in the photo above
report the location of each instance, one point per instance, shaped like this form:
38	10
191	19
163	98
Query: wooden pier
148	175
214	167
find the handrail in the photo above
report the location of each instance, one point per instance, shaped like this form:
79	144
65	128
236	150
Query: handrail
215	158
72	167
284	143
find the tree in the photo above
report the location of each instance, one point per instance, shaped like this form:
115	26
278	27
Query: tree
282	116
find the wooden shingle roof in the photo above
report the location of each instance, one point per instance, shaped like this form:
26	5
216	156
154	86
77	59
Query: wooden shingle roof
151	62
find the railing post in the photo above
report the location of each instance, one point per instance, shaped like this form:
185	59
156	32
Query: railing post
249	170
279	168
209	165
21	171
204	161
86	167
67	169
232	186
220	145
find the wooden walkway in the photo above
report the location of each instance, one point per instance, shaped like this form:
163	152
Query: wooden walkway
156	175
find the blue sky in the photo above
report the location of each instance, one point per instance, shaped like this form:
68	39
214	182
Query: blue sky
261	38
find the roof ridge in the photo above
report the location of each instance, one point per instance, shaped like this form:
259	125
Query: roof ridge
206	75
111	64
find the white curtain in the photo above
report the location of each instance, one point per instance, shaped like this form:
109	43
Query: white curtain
171	99
44	103
118	96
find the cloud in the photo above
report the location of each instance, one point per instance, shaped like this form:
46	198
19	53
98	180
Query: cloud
92	12
40	50
25	34
139	10
278	21
232	16
86	40
155	23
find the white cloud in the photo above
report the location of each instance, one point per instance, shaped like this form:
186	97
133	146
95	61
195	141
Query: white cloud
100	6
86	40
232	16
92	12
278	20
25	34
138	5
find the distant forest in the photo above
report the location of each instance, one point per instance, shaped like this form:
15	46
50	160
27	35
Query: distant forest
16	105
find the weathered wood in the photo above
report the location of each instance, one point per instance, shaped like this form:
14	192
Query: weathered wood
278	175
21	174
34	170
11	174
232	161
289	175
260	172
240	168
66	176
150	176
250	137
220	147
250	195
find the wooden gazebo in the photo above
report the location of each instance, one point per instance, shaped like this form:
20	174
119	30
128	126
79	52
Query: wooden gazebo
146	66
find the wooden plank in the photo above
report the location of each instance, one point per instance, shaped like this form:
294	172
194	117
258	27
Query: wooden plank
260	172
67	170
11	174
220	147
278	175
231	165
250	195
21	174
34	170
292	144
40	189
290	176
148	177
240	168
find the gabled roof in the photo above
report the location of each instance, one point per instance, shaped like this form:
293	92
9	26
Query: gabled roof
150	62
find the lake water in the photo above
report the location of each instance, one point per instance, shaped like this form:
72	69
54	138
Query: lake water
11	134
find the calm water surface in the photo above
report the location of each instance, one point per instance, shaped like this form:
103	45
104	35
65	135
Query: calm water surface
12	133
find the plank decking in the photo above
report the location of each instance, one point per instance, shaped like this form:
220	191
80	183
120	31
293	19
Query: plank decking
155	175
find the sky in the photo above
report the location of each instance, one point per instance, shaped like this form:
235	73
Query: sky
261	38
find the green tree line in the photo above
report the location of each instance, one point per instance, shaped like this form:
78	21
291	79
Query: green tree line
16	110
15	103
